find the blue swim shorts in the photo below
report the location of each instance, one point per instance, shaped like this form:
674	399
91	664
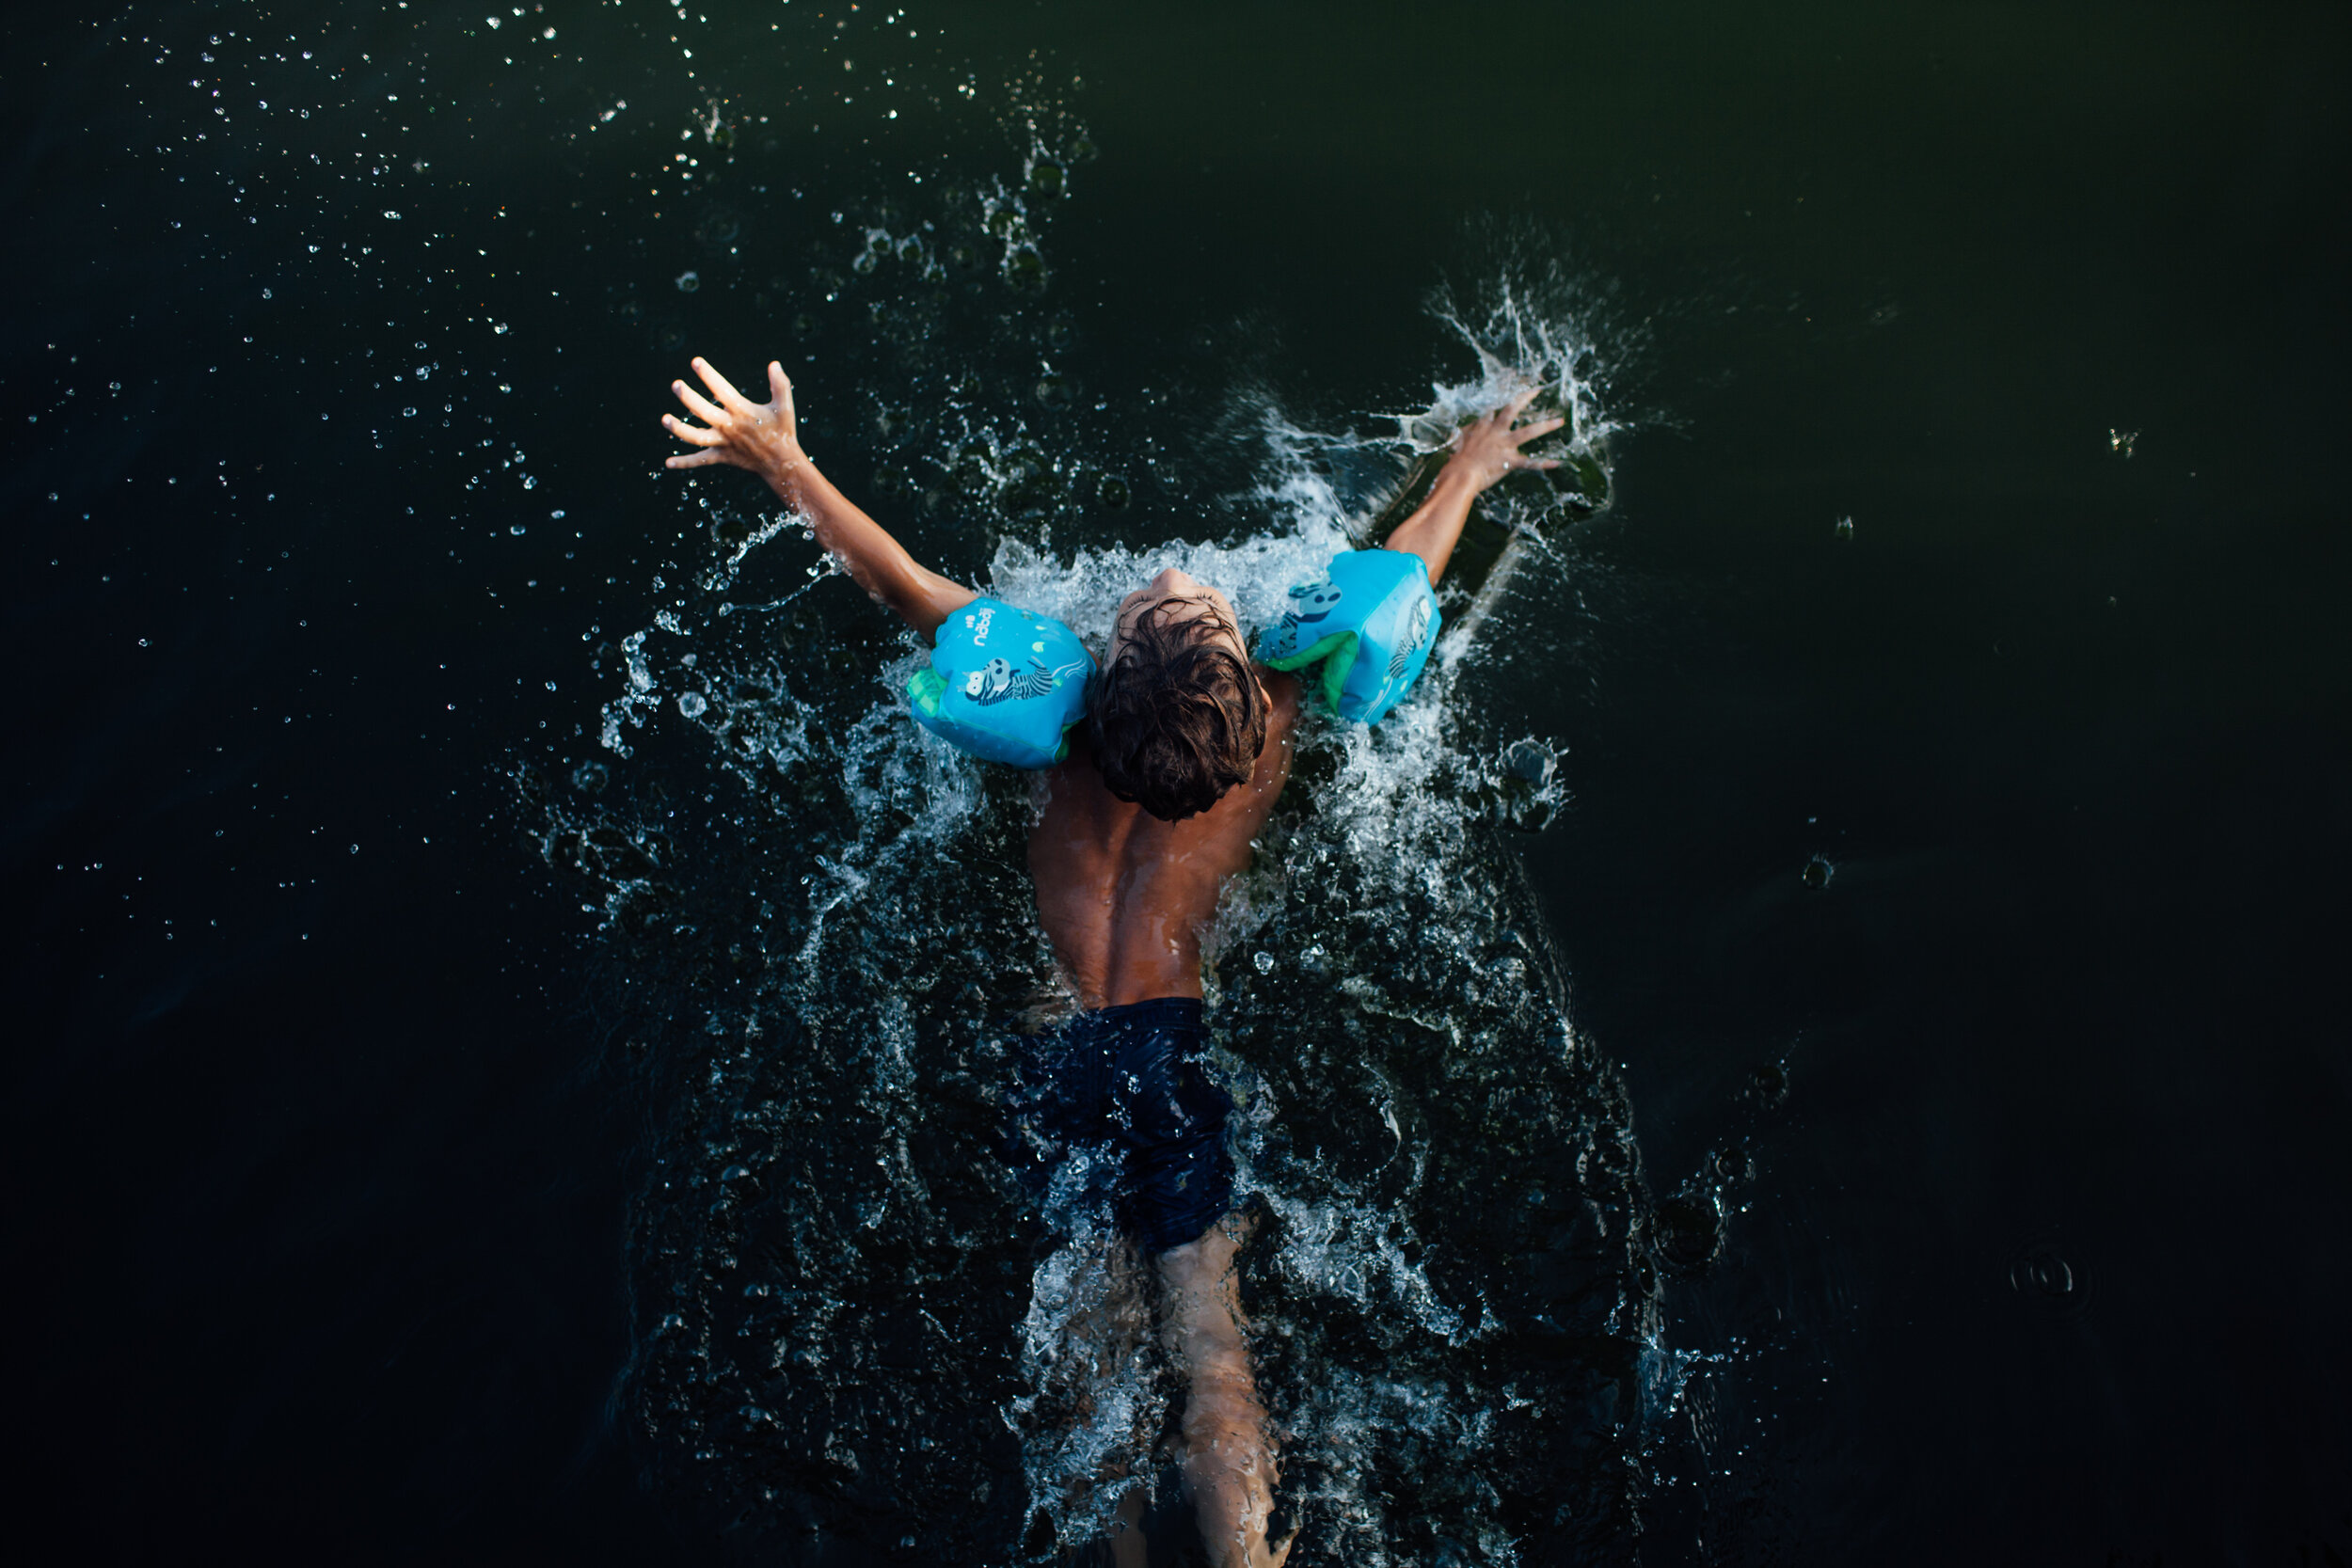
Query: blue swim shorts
1124	1087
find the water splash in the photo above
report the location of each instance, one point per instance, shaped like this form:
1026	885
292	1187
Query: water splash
822	938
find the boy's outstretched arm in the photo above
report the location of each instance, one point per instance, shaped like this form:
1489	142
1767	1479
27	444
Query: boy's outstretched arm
1483	452
764	437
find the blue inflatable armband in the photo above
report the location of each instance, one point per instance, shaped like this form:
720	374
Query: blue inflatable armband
1003	685
1371	621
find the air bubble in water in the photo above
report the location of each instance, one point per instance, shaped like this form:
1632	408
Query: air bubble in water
1529	762
719	226
1687	1233
689	282
1025	269
1264	961
1817	871
2042	1272
692	704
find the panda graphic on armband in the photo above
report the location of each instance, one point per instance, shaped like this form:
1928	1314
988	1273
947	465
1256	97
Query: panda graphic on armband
995	681
1315	602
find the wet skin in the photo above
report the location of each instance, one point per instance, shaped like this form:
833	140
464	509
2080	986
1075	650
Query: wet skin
1124	897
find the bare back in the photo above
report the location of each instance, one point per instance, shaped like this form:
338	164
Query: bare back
1124	895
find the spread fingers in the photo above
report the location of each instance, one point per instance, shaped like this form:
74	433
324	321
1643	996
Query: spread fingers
696	404
685	432
721	387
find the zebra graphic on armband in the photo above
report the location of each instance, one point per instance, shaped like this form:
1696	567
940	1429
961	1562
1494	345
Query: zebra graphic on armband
995	681
1416	632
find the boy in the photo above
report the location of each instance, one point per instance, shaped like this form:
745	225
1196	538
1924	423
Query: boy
1185	746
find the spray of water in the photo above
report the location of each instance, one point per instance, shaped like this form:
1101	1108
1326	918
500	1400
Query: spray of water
818	938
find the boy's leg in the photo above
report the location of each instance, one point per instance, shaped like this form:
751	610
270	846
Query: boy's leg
1128	1549
1227	1455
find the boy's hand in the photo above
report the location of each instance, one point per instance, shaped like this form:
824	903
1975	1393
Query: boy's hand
760	437
764	437
1483	450
1487	448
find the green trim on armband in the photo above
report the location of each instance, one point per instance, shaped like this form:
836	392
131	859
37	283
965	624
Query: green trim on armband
924	690
1339	650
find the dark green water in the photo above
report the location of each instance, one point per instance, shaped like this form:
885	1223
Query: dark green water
1886	1102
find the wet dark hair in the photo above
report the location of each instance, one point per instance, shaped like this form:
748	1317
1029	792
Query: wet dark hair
1179	719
